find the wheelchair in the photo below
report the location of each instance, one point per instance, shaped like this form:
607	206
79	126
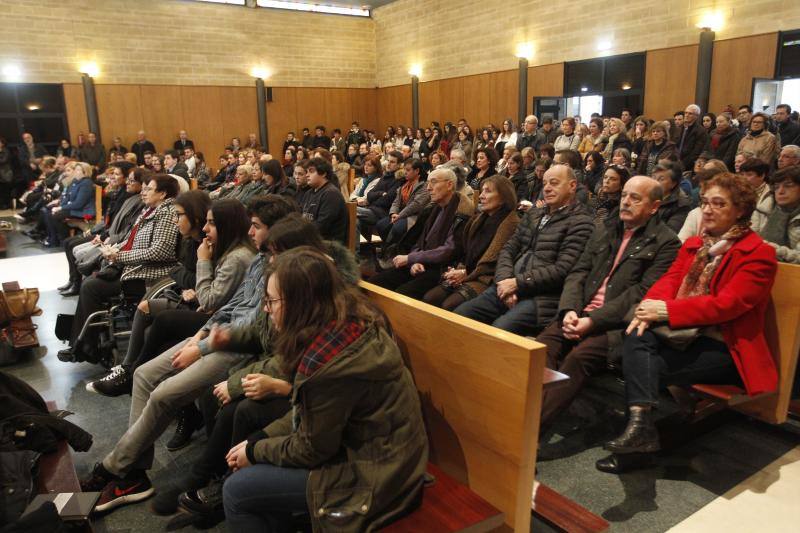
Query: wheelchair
105	334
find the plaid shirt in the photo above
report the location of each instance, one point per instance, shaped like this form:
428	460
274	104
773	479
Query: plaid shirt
328	345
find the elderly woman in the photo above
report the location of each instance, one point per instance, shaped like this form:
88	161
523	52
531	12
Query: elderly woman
148	255
484	236
675	205
759	142
703	321
76	202
782	228
657	148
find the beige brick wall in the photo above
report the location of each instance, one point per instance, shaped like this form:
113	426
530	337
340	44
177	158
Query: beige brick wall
145	42
457	38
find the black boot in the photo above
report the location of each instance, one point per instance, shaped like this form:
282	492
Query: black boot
189	421
641	435
66	286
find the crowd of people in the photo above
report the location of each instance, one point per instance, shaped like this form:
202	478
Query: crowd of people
657	241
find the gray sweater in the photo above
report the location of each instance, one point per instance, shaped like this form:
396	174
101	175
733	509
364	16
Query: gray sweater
216	285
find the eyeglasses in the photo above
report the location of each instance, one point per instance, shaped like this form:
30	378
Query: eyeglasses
178	215
715	203
785	185
269	303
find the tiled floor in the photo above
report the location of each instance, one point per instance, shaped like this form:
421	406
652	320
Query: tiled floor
742	476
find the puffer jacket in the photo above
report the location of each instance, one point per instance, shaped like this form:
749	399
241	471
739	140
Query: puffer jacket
356	424
674	209
541	258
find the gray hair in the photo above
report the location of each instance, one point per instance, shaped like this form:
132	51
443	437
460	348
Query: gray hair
695	108
793	149
444	174
457	153
532	118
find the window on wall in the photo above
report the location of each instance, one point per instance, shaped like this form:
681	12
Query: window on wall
37	108
618	81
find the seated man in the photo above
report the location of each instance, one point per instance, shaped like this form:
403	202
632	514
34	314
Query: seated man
624	257
419	271
380	198
782	229
534	263
323	203
410	200
162	386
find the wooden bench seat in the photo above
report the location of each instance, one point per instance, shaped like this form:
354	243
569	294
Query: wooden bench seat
440	500
81	225
56	470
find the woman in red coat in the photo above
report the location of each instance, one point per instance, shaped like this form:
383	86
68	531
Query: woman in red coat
720	284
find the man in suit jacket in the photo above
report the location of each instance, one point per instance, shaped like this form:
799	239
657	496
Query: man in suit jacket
692	138
141	146
182	142
173	165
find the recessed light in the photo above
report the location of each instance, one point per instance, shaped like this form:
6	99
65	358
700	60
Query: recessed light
584	89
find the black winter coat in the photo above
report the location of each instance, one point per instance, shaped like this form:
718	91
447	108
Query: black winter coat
541	258
325	208
674	210
381	197
693	145
726	149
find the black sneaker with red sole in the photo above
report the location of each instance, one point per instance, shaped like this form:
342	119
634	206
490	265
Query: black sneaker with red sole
134	487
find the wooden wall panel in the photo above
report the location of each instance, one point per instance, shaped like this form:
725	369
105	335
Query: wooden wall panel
734	65
202	115
504	96
338	110
77	120
393	106
545	80
239	112
451	100
429	103
120	112
478	101
364	110
281	117
162	114
664	91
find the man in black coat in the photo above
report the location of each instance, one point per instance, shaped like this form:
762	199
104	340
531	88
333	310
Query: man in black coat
692	138
183	142
324	204
141	146
535	261
320	139
93	152
173	165
530	137
623	258
788	131
379	199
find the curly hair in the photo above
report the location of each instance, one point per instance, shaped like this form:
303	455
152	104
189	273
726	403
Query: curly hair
743	195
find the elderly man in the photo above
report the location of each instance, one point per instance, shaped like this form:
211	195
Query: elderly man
625	256
534	263
419	271
530	136
141	146
692	137
183	142
789	156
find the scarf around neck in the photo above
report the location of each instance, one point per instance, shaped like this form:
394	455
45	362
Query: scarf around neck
697	280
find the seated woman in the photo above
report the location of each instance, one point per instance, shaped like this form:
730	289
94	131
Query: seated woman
275	180
76	202
486	160
147	255
514	171
593	166
211	270
329	443
607	201
782	229
675	205
719	285
123	210
657	148
372	174
484	236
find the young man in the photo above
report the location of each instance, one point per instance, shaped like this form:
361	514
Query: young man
323	204
180	375
172	165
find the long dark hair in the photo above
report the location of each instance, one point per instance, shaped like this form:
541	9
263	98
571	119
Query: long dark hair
195	204
274	169
230	217
313	295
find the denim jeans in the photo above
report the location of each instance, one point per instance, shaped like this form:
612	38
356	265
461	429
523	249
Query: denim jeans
490	309
262	497
648	364
391	232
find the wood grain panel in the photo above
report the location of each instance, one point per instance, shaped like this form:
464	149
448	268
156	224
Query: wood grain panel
545	80
282	117
504	96
310	108
393	106
162	114
429	103
119	109
239	112
478	101
202	115
734	65
364	110
77	120
451	99
664	91
338	110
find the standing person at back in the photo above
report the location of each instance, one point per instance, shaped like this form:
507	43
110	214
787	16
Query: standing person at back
692	137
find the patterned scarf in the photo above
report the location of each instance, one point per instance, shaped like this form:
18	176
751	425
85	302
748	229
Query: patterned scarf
327	345
698	279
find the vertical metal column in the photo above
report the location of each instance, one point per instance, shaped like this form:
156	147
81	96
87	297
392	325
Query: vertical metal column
261	101
415	102
705	54
522	105
91	105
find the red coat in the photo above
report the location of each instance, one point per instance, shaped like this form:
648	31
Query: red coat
737	303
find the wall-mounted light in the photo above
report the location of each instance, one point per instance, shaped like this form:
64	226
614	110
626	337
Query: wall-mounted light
524	50
261	73
584	89
604	45
89	68
626	86
12	73
415	70
33	107
712	20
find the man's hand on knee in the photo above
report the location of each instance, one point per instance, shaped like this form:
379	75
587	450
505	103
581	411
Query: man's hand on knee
184	357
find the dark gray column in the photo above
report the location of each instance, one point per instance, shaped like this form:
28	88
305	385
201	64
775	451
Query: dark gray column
705	53
91	105
522	105
261	101
415	102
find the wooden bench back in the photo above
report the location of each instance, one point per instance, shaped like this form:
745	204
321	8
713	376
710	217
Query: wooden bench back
783	337
351	180
351	226
192	184
98	204
481	390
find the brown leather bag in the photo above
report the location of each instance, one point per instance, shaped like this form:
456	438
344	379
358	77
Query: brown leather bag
18	304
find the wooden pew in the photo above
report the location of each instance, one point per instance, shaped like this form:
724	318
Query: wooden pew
192	184
80	225
783	336
352	234
56	470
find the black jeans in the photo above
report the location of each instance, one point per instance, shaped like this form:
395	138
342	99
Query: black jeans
648	365
162	328
235	421
400	280
95	295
